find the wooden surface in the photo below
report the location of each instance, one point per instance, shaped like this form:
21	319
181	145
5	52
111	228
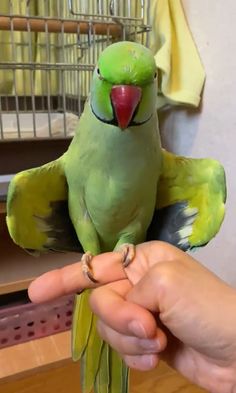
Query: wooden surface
64	379
161	380
44	366
34	356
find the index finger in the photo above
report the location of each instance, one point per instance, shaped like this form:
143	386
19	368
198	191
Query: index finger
106	268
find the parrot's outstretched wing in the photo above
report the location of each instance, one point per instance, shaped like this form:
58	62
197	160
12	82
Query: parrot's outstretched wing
37	210
191	199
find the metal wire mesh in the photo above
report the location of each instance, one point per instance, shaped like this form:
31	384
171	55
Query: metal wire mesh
48	51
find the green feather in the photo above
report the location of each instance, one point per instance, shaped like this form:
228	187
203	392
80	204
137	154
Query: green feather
81	331
102	381
199	182
91	362
119	374
127	63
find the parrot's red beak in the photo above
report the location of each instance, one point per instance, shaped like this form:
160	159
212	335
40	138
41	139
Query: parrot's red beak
125	99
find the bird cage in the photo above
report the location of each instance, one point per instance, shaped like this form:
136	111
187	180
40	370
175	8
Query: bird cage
48	52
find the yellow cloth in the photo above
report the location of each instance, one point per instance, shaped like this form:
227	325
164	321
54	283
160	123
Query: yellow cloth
181	74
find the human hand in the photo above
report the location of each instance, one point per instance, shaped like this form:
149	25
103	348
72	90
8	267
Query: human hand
191	324
184	313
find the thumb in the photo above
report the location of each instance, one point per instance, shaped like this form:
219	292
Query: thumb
147	290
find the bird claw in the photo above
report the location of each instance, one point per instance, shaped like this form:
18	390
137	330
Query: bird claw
128	252
86	267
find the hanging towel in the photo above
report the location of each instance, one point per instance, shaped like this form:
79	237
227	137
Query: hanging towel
181	74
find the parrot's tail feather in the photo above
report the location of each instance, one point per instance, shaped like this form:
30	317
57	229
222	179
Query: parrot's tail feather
82	324
102	382
119	374
86	343
101	367
90	360
125	378
113	374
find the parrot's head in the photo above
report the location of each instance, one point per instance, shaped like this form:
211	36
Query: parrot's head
124	87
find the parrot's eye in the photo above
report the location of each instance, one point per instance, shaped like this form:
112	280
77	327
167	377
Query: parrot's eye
155	75
99	73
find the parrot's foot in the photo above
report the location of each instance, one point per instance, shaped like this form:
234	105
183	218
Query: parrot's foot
86	267
128	252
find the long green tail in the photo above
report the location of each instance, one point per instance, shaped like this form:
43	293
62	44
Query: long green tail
113	375
101	367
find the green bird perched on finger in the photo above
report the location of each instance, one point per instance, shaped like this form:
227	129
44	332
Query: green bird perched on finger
115	187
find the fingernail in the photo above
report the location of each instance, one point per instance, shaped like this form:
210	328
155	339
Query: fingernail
137	329
150	345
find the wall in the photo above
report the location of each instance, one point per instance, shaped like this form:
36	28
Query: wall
211	132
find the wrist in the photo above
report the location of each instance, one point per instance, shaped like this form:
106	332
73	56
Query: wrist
221	374
221	381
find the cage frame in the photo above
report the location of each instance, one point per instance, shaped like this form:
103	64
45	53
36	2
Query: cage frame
19	153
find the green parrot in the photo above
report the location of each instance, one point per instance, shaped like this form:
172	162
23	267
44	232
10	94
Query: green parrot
115	187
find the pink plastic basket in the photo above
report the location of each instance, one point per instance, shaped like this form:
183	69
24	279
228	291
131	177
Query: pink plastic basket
30	321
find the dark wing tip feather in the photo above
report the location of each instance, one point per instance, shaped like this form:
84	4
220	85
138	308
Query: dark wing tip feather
173	224
61	235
